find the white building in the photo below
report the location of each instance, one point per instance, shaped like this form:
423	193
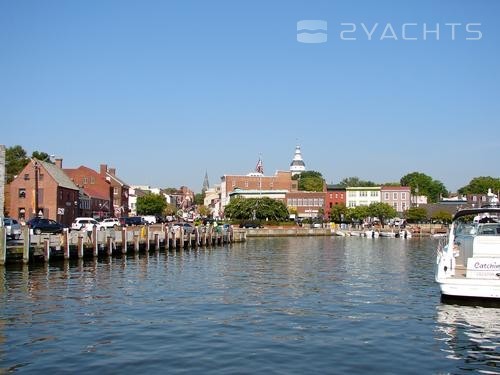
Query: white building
362	195
297	166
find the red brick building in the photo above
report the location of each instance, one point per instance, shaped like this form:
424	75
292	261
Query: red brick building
43	189
335	195
96	188
256	181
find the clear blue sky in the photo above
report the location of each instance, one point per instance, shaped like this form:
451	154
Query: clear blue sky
166	90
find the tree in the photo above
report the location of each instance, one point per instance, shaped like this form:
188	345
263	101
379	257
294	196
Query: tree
422	184
355	182
442	217
43	156
15	160
259	208
311	181
170	209
199	198
382	211
480	185
151	204
338	213
203	210
416	214
358	213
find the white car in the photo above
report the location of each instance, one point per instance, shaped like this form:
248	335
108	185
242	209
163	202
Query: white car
86	223
111	222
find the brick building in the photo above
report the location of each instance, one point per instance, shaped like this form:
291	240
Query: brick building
282	180
96	197
43	189
307	204
335	195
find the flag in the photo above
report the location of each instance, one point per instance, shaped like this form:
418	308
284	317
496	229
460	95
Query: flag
259	168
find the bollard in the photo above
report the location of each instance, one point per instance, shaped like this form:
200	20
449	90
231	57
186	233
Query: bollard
124	240
80	246
147	238
46	249
66	243
26	244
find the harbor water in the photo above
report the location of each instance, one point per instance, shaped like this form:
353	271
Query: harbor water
291	305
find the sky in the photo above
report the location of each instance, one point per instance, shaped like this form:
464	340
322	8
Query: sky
166	91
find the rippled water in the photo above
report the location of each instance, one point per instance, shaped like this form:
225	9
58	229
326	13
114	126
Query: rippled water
281	305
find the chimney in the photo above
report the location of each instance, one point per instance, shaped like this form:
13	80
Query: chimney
103	169
112	171
58	162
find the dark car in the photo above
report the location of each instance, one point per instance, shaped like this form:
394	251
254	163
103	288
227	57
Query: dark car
40	225
133	220
250	224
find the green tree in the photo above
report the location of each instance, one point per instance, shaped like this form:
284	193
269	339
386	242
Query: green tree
480	185
382	211
338	213
170	209
43	156
259	208
442	217
151	204
203	210
358	213
199	198
15	160
416	214
311	181
423	184
355	182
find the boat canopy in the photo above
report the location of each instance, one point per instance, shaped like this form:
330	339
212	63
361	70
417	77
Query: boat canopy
476	211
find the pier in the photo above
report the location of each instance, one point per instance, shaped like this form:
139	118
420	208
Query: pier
80	244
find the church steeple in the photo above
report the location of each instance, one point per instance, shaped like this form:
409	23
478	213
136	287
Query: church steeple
297	166
206	184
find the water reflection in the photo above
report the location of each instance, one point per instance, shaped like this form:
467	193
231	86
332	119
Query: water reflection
471	334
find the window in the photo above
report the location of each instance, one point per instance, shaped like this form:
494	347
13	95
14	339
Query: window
374	194
403	206
474	198
115	190
289	202
315	202
363	194
294	202
26	177
22	193
21	213
352	194
92	180
352	204
386	196
403	196
395	205
246	183
299	202
321	202
395	196
336	195
85	181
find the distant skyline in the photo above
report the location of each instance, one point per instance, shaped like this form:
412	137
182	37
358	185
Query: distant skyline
165	91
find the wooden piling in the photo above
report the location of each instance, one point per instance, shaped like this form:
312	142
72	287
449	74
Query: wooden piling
147	239
124	240
110	244
136	242
46	249
26	244
66	243
80	245
157	242
3	245
95	241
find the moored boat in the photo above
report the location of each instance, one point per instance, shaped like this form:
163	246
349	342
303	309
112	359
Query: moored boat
468	261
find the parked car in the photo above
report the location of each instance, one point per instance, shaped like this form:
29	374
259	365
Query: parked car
188	228
111	222
132	220
150	219
40	225
12	228
250	224
86	223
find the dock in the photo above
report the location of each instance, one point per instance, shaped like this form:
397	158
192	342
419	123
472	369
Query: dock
82	244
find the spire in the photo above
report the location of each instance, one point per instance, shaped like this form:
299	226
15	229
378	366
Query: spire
206	184
259	168
297	165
